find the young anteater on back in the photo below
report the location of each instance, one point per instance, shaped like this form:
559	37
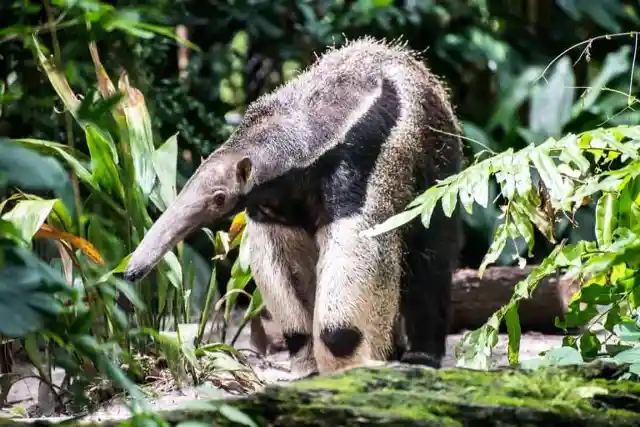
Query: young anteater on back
344	146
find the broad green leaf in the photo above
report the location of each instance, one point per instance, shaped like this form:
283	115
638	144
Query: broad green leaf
238	281
513	97
512	321
236	415
58	81
165	163
103	164
504	166
26	169
606	219
137	131
63	152
589	345
27	288
627	332
522	174
563	356
174	272
466	192
188	334
572	153
548	171
628	356
255	306
552	100
29	215
128	291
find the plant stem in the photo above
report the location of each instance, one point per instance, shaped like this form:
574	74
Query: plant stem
67	115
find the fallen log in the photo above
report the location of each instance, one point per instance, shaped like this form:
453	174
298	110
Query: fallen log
475	299
401	395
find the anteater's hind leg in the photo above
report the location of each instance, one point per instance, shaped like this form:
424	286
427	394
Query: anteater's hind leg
426	296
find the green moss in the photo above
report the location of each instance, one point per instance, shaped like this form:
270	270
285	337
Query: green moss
409	396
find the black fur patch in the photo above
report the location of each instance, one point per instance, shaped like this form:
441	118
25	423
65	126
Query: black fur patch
295	341
429	259
335	186
416	358
341	342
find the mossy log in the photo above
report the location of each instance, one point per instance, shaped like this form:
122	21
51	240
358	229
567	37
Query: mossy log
400	395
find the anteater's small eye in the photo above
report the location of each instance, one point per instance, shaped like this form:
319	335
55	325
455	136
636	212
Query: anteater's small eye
219	198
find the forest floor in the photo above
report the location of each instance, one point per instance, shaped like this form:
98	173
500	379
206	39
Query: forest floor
271	369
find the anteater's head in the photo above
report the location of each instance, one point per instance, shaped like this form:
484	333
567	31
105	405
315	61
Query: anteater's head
215	190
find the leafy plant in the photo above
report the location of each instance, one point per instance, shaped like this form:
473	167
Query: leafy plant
124	173
540	184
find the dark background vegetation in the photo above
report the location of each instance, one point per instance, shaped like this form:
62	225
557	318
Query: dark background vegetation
490	53
514	78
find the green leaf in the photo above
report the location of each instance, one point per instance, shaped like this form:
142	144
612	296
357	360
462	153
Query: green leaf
238	281
174	272
429	204
237	416
29	215
563	356
255	306
512	321
513	97
392	222
58	81
244	255
548	171
30	171
606	219
572	153
103	163
136	130
523	225
589	345
628	356
71	157
27	293
496	248
627	332
552	100
165	163
449	199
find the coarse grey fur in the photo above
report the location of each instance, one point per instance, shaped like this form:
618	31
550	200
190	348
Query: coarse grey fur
342	147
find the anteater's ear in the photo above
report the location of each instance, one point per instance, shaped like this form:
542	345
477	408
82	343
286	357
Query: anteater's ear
243	172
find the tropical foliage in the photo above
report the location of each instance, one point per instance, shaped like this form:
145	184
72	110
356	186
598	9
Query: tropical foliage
88	161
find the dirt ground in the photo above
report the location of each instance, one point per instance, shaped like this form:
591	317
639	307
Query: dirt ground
271	369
